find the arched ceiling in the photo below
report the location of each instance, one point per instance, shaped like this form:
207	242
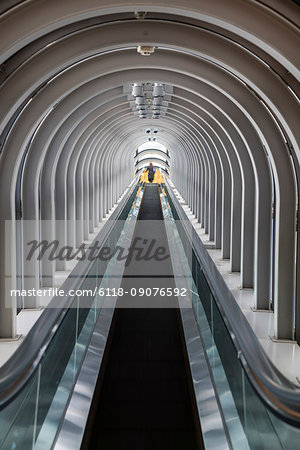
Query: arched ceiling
68	122
66	66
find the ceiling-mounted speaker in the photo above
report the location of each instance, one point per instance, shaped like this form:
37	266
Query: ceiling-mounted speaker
145	50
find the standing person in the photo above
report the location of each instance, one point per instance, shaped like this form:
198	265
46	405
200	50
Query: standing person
150	171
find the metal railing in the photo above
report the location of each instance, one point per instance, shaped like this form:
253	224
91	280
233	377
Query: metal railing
278	393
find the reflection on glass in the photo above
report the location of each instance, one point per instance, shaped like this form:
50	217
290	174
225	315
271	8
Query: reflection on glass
32	419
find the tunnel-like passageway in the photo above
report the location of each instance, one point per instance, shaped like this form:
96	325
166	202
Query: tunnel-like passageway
93	92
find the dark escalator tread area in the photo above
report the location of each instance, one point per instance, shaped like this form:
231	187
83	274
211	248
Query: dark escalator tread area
144	398
150	207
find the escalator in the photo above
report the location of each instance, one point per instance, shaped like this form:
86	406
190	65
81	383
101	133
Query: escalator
145	397
150	368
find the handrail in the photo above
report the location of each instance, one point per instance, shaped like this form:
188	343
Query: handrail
17	371
278	393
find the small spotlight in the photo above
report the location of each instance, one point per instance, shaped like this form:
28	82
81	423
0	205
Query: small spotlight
157	101
140	100
137	90
158	90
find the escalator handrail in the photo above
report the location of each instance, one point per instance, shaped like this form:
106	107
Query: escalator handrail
18	370
275	390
